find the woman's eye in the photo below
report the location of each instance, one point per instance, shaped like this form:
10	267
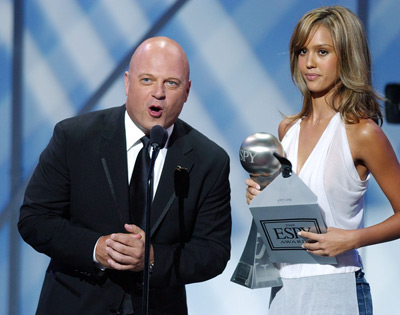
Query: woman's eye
302	51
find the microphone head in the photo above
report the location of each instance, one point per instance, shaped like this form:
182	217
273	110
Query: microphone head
158	137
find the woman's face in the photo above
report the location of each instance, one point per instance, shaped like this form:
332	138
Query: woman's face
318	62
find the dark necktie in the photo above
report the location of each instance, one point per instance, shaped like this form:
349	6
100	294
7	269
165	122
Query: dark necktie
137	187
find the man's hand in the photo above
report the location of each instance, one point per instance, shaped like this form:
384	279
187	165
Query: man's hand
123	251
101	252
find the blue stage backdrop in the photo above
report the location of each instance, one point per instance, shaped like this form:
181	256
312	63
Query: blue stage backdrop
72	61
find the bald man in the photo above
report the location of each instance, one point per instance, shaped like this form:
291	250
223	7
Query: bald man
76	208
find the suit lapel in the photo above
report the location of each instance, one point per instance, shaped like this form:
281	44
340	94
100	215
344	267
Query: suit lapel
112	152
178	148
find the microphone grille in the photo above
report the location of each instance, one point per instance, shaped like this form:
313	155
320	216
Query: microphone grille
158	136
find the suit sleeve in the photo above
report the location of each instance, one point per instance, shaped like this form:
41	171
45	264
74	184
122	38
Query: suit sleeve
206	251
45	221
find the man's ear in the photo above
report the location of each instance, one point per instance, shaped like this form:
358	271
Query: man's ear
126	79
188	90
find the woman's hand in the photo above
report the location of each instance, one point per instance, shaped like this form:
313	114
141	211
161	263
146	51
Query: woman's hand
252	190
332	243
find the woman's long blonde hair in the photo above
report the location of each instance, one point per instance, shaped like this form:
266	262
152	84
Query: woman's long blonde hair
354	96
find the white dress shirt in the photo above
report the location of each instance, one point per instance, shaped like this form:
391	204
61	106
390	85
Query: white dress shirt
134	145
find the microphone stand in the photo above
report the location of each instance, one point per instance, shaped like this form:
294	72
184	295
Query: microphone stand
149	195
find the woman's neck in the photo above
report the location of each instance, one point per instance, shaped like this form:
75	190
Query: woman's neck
320	112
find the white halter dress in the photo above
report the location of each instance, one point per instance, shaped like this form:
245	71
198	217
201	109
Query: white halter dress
330	173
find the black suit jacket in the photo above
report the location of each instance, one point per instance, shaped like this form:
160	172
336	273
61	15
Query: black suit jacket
79	192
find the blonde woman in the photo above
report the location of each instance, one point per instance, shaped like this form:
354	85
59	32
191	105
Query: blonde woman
334	143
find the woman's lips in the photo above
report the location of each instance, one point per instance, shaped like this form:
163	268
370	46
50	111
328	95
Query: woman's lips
311	76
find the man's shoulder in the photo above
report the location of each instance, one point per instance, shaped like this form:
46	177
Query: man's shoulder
197	139
111	113
107	122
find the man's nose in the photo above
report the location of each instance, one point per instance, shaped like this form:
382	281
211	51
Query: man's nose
159	90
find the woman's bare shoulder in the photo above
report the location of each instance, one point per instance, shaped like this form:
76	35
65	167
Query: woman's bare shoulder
365	137
364	131
285	125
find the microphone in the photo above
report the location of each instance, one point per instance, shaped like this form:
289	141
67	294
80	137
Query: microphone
158	137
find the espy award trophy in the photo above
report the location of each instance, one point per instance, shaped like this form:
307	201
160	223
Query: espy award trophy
255	269
283	207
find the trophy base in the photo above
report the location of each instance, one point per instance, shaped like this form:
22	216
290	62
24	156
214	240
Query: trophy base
255	269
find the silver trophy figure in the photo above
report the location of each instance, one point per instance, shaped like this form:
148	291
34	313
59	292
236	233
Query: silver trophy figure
260	155
258	159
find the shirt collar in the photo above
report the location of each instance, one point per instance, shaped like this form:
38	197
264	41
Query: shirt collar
133	133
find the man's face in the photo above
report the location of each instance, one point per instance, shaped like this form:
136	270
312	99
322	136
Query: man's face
157	85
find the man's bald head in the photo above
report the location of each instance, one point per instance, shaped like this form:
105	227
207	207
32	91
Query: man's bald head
160	43
157	83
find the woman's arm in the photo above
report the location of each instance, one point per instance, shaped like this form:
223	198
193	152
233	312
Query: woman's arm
371	151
